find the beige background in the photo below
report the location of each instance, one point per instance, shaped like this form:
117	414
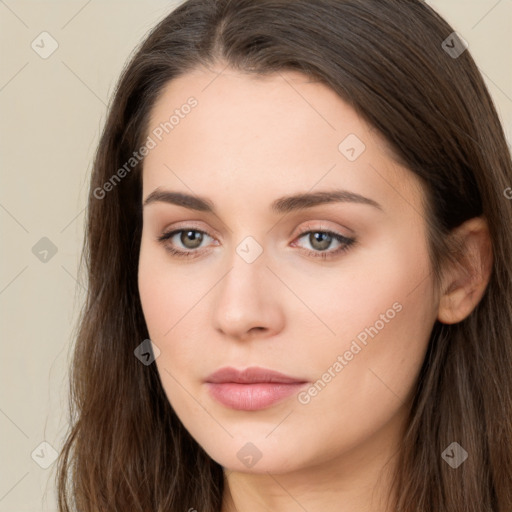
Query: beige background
52	112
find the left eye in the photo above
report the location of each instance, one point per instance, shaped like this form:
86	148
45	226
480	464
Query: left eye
321	240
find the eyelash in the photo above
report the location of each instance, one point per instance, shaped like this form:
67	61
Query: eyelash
346	242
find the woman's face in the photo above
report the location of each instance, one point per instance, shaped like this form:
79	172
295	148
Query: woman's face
255	291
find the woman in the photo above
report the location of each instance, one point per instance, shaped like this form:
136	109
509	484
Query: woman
298	251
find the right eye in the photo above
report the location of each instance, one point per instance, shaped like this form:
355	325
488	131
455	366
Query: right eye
190	238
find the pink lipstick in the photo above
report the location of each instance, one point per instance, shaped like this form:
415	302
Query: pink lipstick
251	389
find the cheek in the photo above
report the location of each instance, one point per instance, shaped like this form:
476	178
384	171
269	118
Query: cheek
382	314
380	289
157	304
173	300
165	291
364	385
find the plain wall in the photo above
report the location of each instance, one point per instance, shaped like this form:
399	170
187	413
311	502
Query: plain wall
52	111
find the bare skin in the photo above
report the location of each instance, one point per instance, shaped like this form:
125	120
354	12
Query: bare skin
249	141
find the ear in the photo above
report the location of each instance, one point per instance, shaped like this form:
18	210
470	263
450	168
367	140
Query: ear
465	283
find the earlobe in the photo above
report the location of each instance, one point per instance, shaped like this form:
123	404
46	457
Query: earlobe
465	283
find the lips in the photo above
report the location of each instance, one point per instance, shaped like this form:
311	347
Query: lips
251	375
251	389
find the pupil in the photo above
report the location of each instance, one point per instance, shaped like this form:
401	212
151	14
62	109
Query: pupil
195	236
324	240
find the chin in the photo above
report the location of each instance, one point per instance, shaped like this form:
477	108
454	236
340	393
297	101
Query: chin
256	457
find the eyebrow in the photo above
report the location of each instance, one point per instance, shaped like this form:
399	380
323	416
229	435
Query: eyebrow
281	205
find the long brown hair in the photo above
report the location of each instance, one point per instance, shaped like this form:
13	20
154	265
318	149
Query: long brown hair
126	449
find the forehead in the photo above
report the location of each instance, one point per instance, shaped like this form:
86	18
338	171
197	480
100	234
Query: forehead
275	109
247	131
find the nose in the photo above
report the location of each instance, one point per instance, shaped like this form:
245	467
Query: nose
246	304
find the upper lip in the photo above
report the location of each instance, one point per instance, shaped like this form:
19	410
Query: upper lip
251	375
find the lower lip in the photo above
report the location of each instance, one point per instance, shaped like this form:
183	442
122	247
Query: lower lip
252	397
